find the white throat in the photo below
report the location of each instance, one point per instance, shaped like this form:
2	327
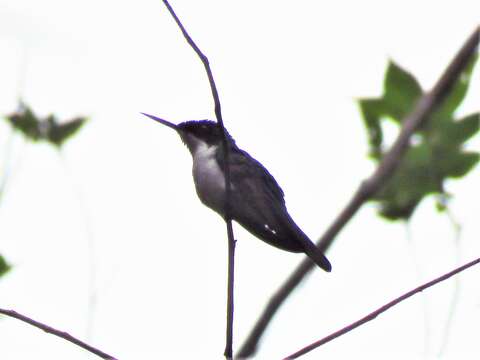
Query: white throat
208	177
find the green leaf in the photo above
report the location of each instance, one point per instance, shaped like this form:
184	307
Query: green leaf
401	91
393	211
48	129
59	133
415	178
464	129
451	134
437	152
25	121
457	164
4	266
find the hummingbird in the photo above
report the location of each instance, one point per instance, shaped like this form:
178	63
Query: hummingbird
256	200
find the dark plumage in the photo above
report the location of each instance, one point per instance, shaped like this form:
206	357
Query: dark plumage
257	201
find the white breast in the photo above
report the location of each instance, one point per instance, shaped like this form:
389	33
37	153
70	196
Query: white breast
208	177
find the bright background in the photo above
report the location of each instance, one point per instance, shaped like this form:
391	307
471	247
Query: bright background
288	77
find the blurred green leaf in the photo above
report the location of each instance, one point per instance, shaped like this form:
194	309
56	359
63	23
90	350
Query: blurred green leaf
458	132
436	151
4	266
48	129
401	92
26	122
59	133
414	179
458	164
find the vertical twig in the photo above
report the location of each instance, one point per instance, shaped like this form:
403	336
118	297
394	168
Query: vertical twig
228	353
226	170
423	109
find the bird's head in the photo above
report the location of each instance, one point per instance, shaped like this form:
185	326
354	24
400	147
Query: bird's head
195	133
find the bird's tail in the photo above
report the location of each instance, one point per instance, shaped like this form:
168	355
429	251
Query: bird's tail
308	247
316	255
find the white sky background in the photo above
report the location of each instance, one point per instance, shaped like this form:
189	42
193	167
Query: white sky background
288	76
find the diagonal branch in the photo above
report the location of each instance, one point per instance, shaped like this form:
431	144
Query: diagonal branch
226	170
53	331
380	310
423	109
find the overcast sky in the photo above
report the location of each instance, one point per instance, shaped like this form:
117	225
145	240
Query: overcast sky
116	210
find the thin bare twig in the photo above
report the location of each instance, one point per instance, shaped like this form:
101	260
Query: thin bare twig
423	109
231	240
381	310
53	331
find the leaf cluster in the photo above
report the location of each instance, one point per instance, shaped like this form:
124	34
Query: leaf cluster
436	151
48	129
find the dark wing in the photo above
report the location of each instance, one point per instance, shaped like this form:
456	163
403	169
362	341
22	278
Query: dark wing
258	205
239	160
249	175
257	201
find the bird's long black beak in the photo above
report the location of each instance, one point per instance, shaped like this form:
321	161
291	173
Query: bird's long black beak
162	121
